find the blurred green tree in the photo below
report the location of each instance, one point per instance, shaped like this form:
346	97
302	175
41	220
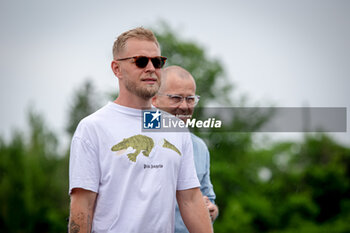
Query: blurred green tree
84	102
212	82
288	187
33	181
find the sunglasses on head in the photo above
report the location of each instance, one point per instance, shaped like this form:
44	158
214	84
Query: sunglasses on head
142	61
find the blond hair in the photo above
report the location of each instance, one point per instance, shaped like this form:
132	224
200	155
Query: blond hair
137	33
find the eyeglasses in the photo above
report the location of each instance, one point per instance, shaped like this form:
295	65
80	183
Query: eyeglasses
142	61
191	100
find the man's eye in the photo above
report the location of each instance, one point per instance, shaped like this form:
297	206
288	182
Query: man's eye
190	99
176	98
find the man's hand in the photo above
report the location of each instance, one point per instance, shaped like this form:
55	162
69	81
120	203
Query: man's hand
212	208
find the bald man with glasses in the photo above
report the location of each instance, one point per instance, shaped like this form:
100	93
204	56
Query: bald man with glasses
177	96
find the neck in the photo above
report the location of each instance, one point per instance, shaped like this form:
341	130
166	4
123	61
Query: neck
132	101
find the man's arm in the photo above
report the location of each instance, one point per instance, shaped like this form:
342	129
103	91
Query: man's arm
207	188
81	210
194	211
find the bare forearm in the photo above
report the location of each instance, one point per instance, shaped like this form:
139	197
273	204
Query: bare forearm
81	211
80	222
195	214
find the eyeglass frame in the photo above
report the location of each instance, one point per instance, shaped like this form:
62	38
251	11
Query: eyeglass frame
163	59
196	98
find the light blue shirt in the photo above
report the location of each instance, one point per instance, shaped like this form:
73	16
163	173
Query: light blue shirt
202	163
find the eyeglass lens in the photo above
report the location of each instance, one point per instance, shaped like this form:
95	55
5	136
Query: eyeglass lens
141	62
178	99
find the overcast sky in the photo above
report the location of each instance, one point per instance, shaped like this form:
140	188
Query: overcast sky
290	53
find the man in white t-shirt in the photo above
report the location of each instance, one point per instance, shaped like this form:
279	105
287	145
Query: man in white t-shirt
120	178
177	95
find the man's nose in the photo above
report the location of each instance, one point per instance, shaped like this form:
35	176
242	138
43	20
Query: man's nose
150	67
184	104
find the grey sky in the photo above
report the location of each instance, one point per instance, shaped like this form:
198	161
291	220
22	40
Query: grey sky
289	53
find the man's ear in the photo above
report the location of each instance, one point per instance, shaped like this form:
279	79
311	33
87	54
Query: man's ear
116	68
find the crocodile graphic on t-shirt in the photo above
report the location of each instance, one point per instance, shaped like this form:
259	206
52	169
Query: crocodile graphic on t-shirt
141	143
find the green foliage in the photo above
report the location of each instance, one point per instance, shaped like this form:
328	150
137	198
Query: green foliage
308	190
33	182
34	175
85	102
212	83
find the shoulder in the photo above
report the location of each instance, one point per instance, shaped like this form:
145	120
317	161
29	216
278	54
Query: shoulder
197	141
98	116
89	123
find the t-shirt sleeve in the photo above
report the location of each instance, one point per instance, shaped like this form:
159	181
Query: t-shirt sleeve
187	177
84	171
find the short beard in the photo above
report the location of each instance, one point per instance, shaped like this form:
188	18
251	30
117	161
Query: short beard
143	92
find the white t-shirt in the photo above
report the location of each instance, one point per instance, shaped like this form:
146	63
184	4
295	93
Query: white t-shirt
135	174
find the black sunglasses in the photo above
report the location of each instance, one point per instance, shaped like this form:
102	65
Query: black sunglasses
142	61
